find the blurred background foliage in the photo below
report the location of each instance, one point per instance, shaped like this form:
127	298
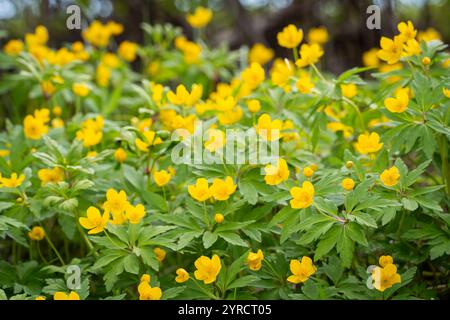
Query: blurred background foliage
236	22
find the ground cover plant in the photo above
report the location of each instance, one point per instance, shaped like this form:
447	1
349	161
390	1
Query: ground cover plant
95	202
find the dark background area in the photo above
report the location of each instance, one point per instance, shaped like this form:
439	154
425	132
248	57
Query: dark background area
237	22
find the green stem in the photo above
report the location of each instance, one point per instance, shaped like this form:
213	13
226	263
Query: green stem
209	294
40	253
273	270
352	104
206	217
294	50
443	148
318	73
50	243
111	240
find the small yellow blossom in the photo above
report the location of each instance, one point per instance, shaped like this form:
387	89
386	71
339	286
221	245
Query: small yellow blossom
301	270
349	90
390	176
318	35
182	275
120	155
309	54
368	143
400	103
200	18
135	214
207	269
275	175
162	177
348	184
51	175
13	181
64	296
302	197
218	218
260	54
80	89
290	37
254	260
160	254
222	189
127	50
200	191
37	233
94	221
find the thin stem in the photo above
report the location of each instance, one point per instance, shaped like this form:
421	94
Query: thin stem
209	294
111	240
206	217
352	104
50	243
318	73
294	50
40	253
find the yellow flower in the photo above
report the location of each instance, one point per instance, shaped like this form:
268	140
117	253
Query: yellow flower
120	155
200	18
57	123
146	292
37	233
102	75
51	175
94	222
446	92
99	34
135	214
400	103
254	260
47	88
370	58
385	277
216	140
13	182
407	31
218	218
80	89
34	128
253	105
162	177
200	191
349	90
426	61
318	35
348	184
301	270
281	73
428	35
182	275
150	140
302	197
207	269
117	204
59	295
222	189
40	298
253	75
4	153
145	278
110	60
275	175
127	50
91	132
268	129
309	54
182	97
390	176
13	47
260	54
338	126
411	48
308	172
290	37
391	50
304	83
385	260
114	28
230	117
368	143
160	254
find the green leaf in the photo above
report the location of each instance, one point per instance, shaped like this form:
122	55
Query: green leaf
209	239
248	191
327	243
365	219
149	258
409	204
345	247
233	238
282	215
131	264
244	281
